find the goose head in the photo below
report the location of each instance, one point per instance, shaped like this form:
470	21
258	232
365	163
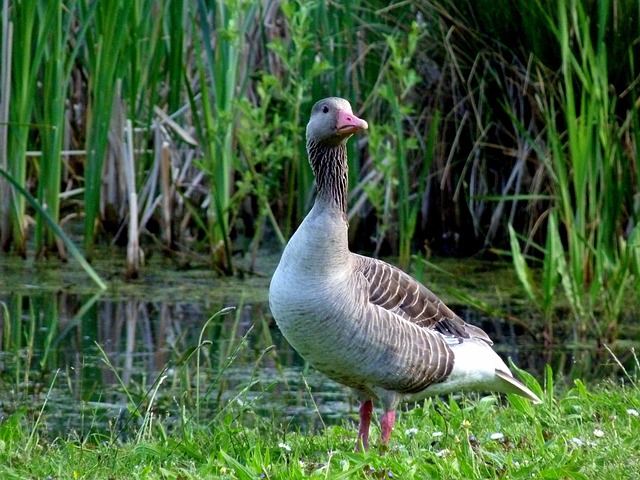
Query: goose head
332	122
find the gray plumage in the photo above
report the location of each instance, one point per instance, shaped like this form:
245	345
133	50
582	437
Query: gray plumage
361	321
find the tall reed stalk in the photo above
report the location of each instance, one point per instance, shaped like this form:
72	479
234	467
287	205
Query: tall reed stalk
222	70
57	66
589	165
32	20
55	83
5	97
103	53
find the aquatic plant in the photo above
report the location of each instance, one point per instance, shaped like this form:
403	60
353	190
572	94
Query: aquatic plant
29	29
591	248
484	115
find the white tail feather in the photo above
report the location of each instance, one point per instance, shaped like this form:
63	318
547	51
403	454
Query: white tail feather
513	385
477	367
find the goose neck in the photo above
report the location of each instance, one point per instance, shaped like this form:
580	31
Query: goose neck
329	165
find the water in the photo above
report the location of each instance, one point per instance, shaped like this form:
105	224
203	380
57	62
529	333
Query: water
86	359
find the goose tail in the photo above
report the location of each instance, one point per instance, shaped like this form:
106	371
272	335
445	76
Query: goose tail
510	384
477	366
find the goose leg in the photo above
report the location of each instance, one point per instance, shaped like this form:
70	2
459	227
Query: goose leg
386	425
366	409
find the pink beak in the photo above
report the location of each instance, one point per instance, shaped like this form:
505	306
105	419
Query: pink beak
348	123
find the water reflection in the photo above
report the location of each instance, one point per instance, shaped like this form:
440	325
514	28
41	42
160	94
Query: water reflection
92	361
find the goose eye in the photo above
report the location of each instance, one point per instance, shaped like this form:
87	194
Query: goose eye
325	109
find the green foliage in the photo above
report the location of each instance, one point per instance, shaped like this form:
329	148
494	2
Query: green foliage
291	90
104	61
392	146
32	21
586	159
483	115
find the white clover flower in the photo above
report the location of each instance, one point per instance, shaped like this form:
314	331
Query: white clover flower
284	446
411	431
496	436
442	452
598	433
633	412
577	441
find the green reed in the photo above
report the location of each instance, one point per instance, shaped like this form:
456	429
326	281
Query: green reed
104	62
150	58
222	68
5	86
590	171
32	20
587	250
126	52
44	27
57	66
176	27
559	147
57	74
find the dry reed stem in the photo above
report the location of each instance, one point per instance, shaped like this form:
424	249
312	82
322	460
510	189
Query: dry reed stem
167	193
133	245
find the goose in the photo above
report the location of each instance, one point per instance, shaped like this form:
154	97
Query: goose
361	321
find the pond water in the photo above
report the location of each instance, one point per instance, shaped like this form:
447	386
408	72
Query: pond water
86	360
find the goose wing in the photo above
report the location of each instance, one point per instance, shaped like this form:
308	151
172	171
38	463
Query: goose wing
392	289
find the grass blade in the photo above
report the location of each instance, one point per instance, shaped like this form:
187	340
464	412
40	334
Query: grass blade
73	250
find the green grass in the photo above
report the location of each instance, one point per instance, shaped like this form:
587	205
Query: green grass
585	432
